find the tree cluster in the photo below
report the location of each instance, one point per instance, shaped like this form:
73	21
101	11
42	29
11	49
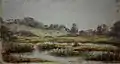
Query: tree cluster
102	29
115	30
74	29
5	33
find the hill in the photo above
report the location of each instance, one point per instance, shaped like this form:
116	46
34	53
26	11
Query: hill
30	25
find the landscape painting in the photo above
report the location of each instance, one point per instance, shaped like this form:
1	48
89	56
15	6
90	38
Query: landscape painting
59	31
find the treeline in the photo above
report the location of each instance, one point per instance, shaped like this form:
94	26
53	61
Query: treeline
5	33
31	22
102	29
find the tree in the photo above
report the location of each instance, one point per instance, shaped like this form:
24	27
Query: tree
1	20
99	30
61	27
46	27
56	26
6	34
74	29
82	33
32	22
1	59
104	29
115	30
51	26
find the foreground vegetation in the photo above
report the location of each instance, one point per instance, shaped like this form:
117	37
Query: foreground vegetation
58	47
90	47
13	59
19	48
63	39
103	56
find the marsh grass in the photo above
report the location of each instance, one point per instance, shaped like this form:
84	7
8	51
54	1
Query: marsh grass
63	39
104	56
14	59
64	52
20	48
43	47
96	48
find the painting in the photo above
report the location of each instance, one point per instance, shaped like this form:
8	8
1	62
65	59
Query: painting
59	31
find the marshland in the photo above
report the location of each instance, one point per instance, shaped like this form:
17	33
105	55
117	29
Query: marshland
28	41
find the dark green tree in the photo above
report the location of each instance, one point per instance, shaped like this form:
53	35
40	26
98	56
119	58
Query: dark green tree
32	22
51	26
74	29
56	26
6	34
115	30
99	30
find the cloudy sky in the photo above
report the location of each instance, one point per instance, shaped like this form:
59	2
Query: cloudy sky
85	13
0	9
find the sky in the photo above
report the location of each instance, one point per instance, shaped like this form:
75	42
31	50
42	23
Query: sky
86	14
0	8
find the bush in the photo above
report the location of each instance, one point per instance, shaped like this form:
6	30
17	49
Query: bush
96	47
104	56
62	40
64	52
44	47
20	48
15	59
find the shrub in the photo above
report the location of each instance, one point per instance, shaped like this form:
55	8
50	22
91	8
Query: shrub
94	47
64	52
25	33
104	56
46	46
15	59
20	48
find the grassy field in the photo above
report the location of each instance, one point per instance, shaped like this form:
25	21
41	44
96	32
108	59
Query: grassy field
95	39
86	44
49	63
95	43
